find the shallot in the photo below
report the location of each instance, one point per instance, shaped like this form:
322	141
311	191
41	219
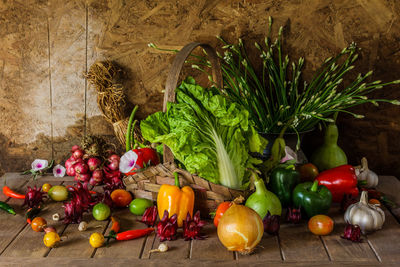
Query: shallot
93	163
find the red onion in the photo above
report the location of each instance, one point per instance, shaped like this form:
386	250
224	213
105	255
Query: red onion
93	163
93	182
71	171
114	157
81	168
68	164
113	165
98	176
83	177
74	148
78	154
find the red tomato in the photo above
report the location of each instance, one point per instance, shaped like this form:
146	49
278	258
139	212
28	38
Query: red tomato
38	224
121	197
320	225
220	211
308	172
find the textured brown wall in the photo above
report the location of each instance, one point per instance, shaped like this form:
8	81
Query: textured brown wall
46	45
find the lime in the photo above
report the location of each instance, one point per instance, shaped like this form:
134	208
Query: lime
139	205
101	211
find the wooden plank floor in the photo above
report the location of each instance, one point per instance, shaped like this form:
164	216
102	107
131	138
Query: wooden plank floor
294	245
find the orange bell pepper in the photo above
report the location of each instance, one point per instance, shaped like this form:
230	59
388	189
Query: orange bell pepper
175	200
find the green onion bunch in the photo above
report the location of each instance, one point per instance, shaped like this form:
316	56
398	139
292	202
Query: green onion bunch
277	97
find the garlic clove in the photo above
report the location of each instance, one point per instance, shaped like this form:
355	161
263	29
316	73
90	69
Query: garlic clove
82	226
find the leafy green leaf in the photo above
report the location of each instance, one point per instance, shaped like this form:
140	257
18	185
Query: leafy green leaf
209	134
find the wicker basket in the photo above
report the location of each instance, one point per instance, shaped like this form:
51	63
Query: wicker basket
146	184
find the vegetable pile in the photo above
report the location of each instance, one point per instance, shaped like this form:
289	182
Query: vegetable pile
92	169
208	134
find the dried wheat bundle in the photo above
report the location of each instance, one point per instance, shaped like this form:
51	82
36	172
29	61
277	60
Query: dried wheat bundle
104	76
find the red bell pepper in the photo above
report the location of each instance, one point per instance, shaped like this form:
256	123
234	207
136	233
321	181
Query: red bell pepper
340	180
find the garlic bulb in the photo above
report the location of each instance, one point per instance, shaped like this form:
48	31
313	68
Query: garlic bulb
365	174
369	217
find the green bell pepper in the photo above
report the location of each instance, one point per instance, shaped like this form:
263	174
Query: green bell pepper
313	199
282	181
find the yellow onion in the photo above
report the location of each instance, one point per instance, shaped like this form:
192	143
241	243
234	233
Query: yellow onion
240	229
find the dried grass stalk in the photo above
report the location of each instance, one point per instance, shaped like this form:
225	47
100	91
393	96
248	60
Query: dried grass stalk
104	76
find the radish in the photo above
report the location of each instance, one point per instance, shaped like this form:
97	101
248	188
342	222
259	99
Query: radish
93	163
81	168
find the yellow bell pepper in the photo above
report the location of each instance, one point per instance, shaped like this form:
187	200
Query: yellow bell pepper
175	200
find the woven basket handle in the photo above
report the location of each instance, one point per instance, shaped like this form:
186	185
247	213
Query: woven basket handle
173	77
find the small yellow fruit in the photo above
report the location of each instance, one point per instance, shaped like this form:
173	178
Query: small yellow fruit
46	187
96	240
51	239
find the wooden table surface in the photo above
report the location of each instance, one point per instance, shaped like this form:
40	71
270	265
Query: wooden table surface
295	245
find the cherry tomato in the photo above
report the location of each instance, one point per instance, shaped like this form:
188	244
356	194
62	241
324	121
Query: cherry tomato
96	240
374	201
320	225
46	187
308	172
121	197
101	211
220	211
51	239
38	224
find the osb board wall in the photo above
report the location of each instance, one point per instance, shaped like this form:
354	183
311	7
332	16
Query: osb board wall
46	46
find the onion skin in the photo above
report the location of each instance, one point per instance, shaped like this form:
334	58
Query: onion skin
240	229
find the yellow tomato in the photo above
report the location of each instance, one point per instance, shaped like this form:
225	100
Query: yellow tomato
51	239
46	187
96	240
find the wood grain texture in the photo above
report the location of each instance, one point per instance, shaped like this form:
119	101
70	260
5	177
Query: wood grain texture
11	225
340	249
297	244
124	249
28	242
210	248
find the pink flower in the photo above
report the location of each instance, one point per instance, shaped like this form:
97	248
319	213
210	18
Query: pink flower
289	155
39	164
59	171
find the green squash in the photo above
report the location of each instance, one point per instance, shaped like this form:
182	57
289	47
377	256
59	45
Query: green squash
263	200
329	155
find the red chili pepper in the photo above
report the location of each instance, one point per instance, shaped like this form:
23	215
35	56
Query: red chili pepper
132	234
10	193
340	180
115	225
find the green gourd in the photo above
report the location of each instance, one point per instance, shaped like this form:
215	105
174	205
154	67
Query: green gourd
329	155
263	200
